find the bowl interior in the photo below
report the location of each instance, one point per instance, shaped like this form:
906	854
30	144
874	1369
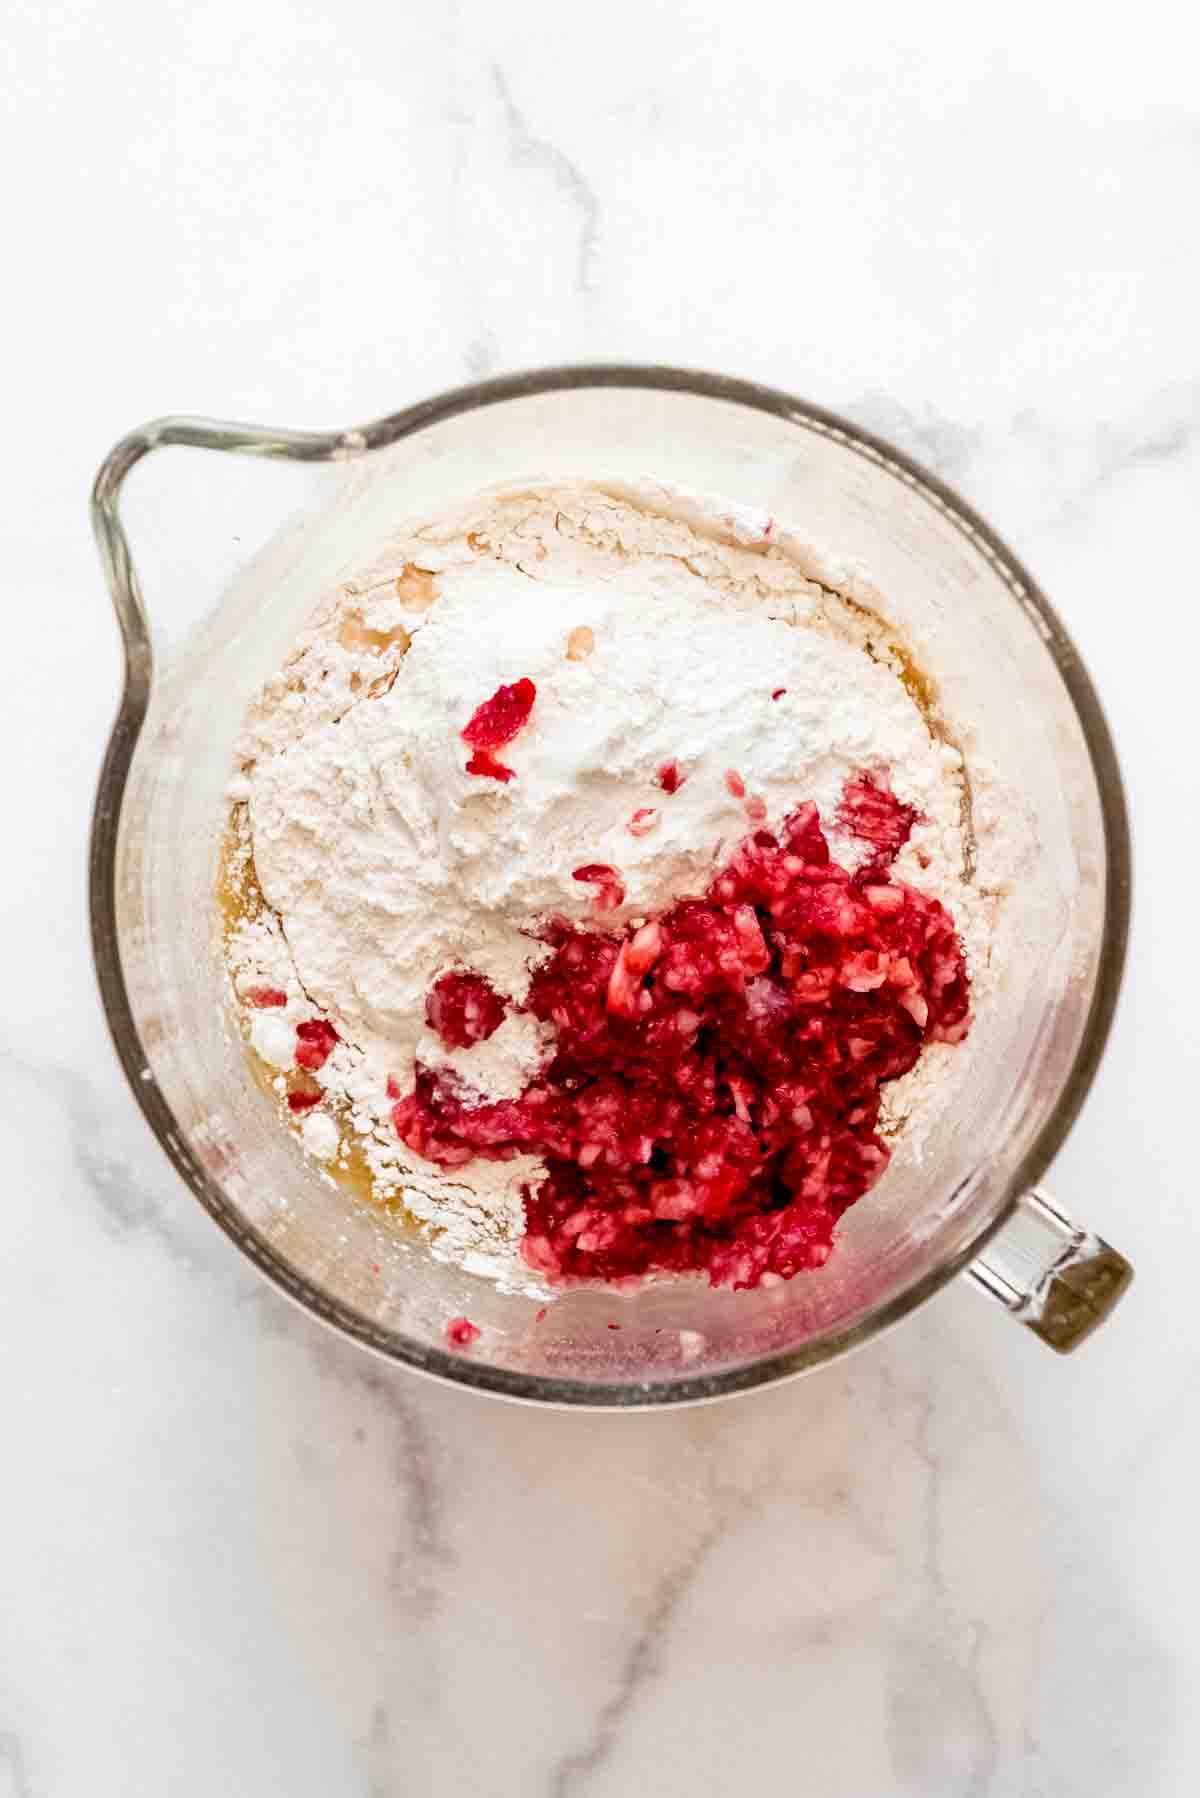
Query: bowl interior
1012	694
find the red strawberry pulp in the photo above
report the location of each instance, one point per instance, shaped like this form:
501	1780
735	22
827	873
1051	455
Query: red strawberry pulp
315	1042
464	1009
496	722
712	1099
609	889
461	1332
499	718
265	998
871	812
483	762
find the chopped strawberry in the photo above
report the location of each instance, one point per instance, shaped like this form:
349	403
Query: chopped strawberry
499	718
634	958
779	693
644	820
645	947
300	1100
463	1008
461	1332
734	783
624	986
870	811
265	997
712	1097
610	889
484	762
669	777
315	1042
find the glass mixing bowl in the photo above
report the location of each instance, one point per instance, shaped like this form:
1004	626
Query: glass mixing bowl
1005	666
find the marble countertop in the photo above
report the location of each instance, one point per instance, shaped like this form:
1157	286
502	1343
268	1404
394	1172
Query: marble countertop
241	1556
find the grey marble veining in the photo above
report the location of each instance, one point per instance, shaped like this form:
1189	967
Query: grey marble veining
240	1555
540	157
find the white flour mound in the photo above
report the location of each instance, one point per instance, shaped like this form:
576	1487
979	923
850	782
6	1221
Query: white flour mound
657	628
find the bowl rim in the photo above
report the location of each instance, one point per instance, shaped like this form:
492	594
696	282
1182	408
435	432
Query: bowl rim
352	444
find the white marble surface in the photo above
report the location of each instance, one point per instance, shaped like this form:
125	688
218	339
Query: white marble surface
240	1556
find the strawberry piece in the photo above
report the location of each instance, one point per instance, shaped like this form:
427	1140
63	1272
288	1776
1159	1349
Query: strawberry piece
314	1043
669	777
300	1100
870	811
779	693
712	1096
634	958
643	821
610	889
499	718
463	1009
484	762
461	1332
265	997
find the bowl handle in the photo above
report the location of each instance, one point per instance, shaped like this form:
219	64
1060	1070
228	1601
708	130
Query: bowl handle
188	433
1058	1280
